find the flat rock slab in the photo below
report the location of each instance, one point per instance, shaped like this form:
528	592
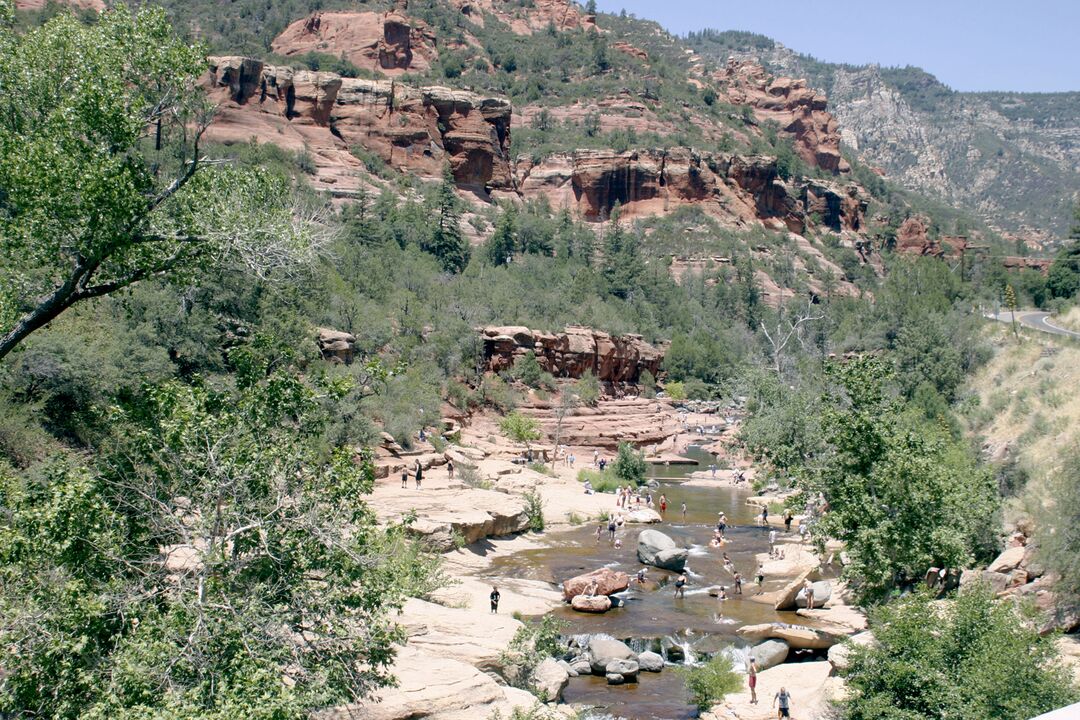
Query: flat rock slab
475	638
607	582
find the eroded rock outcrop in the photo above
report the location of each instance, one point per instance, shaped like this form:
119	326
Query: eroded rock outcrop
326	115
607	582
571	354
336	346
648	182
529	18
390	42
798	109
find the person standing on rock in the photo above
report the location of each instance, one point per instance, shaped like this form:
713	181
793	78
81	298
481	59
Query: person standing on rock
772	542
419	474
760	576
680	585
808	588
450	469
596	458
784	697
765	516
495	595
404	478
788	517
751	680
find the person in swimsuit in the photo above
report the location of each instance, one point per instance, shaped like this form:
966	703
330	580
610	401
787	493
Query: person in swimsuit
663	504
760	575
599	532
680	583
641	576
611	529
405	478
684	512
738	584
751	678
785	704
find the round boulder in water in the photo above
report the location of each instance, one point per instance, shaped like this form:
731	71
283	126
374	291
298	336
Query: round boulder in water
627	668
603	649
650	662
656	548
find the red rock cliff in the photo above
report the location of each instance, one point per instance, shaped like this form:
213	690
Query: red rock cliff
570	354
798	110
415	129
646	182
390	42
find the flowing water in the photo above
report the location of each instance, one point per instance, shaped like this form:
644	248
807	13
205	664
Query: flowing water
650	617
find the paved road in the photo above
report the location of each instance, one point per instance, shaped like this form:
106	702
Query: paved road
1035	319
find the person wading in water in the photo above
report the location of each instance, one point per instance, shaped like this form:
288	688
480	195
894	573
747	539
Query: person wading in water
680	584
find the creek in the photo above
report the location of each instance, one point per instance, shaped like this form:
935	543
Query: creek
686	630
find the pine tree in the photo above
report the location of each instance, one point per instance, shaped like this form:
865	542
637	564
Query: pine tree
501	246
446	242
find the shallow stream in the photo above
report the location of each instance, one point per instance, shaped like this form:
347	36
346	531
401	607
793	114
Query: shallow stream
651	617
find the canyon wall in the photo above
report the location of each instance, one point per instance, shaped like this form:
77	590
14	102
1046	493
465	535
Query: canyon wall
573	353
326	115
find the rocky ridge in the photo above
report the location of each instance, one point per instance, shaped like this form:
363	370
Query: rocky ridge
326	115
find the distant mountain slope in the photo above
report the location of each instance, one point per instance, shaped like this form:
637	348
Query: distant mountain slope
1013	158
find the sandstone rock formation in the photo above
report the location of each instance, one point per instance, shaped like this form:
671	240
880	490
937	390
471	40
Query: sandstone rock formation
96	5
608	582
645	182
591	603
638	421
570	354
326	115
798	109
389	42
526	19
337	346
912	238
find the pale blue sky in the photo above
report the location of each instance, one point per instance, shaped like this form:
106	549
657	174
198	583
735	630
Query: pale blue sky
1029	45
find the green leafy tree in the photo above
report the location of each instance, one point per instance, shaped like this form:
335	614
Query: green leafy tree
446	241
176	576
587	389
520	428
528	370
102	181
972	658
902	495
629	465
708	683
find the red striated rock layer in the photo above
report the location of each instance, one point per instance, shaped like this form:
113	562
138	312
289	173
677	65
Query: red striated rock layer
571	354
414	129
390	42
798	109
537	17
590	182
97	5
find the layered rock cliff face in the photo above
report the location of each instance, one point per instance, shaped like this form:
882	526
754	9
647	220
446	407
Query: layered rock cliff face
799	110
1013	158
571	354
391	42
414	129
528	18
646	182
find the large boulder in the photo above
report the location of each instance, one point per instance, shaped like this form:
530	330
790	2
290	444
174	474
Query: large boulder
770	653
755	633
627	668
656	548
642	516
822	594
591	603
649	661
996	581
840	655
787	598
603	649
550	679
804	638
1008	560
608	582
